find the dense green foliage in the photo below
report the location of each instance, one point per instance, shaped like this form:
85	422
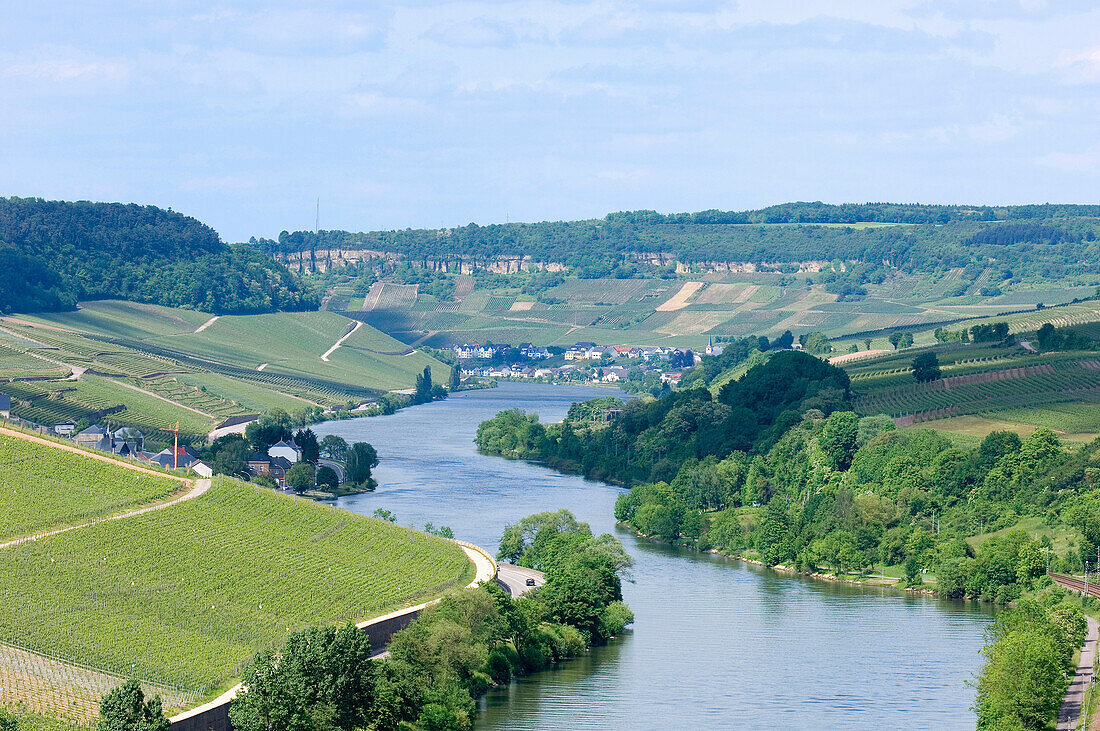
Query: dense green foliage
845	493
1047	239
650	439
792	483
322	680
125	709
1029	655
55	253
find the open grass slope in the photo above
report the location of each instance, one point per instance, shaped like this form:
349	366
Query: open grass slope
44	487
184	596
292	344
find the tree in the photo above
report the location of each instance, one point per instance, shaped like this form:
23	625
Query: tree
456	378
423	393
900	339
125	709
327	477
7	721
361	459
301	477
839	439
322	679
867	342
1046	336
273	427
334	447
307	442
817	343
231	457
784	341
926	367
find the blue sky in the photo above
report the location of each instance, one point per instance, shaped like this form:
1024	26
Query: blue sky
425	114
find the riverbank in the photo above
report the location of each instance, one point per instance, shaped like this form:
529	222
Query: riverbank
913	652
872	581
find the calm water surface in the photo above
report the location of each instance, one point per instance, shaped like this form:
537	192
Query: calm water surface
716	643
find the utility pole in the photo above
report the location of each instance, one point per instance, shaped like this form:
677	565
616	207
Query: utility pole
175	445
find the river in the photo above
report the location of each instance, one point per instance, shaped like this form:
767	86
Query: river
717	643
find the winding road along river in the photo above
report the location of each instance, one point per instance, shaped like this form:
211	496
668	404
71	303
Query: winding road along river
716	643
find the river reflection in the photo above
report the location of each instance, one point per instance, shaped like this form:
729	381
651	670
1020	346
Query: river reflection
717	643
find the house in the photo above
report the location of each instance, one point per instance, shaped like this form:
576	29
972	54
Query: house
232	425
202	469
64	429
287	451
130	434
182	458
274	467
259	464
5	406
673	379
93	437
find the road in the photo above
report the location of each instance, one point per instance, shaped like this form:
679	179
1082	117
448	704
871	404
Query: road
1069	715
514	578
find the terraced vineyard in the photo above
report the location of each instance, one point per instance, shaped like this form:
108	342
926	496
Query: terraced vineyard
182	597
147	367
44	487
1055	381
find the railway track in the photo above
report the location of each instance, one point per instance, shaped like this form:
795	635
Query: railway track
1074	584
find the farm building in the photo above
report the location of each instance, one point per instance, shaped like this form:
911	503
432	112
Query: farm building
5	406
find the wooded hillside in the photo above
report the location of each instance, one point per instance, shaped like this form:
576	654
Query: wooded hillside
56	253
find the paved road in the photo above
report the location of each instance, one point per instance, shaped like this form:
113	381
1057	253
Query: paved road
1070	714
515	578
334	466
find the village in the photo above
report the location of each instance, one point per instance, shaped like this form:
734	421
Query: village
128	442
584	361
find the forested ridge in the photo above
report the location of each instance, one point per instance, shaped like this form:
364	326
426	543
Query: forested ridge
56	253
1050	240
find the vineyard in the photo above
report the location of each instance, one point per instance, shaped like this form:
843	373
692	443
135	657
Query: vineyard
44	487
1060	381
146	367
183	597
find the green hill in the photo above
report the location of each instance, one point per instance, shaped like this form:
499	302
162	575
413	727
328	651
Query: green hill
56	253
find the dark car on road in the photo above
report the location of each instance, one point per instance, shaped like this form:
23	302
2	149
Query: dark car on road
530	582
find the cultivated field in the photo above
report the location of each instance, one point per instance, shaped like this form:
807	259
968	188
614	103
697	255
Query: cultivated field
43	488
182	597
152	366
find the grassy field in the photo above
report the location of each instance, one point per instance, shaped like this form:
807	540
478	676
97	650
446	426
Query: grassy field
42	488
184	596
